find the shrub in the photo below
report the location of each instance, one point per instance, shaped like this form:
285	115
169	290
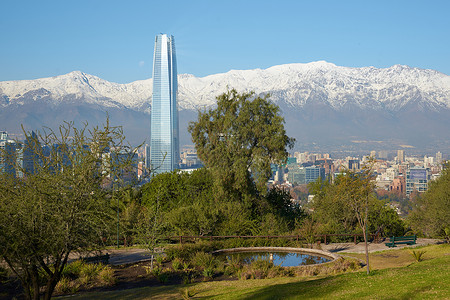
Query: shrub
186	252
418	255
106	276
163	277
177	264
66	286
159	259
88	272
204	260
73	269
258	269
208	273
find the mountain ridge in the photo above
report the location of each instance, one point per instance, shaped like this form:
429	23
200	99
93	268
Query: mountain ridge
314	98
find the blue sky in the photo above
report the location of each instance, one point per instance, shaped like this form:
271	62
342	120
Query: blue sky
114	39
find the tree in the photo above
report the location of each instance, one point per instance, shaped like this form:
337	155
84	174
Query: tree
238	141
356	189
431	213
60	207
349	202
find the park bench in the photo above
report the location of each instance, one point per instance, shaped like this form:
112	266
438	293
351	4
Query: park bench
104	259
395	240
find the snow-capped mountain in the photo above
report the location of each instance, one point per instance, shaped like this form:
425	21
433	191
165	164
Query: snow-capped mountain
371	99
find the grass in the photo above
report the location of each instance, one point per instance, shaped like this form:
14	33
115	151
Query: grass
396	275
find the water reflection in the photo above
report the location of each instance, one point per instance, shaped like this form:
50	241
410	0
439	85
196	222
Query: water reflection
283	259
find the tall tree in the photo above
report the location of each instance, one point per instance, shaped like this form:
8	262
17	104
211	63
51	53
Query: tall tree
347	202
60	207
238	140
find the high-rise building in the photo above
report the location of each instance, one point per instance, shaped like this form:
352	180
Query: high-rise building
401	156
439	157
164	132
417	179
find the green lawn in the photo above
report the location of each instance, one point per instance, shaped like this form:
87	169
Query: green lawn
429	279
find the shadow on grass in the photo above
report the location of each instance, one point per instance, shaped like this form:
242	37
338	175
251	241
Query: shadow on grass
318	288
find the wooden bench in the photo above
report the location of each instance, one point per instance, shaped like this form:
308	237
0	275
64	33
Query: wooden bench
395	240
104	259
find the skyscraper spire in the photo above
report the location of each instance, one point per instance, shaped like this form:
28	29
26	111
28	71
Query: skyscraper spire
164	135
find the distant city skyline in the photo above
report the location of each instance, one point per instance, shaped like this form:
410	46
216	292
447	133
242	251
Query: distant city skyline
111	39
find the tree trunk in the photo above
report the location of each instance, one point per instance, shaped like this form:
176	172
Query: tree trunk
35	282
365	239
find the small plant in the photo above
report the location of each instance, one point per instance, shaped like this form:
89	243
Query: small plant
163	277
204	260
186	266
107	276
73	269
88	272
177	264
66	286
156	271
159	259
208	273
418	255
258	269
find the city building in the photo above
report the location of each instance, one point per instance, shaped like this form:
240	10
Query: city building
439	157
417	179
401	156
313	173
164	132
353	164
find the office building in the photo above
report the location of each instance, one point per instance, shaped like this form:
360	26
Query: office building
164	132
417	179
439	157
401	156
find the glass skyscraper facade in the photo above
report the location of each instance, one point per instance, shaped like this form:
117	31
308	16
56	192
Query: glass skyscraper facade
164	132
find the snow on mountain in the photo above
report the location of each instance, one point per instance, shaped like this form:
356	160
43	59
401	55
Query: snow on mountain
295	84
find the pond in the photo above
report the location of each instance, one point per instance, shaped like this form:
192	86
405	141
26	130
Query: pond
283	259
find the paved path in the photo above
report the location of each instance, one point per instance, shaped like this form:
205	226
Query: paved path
373	247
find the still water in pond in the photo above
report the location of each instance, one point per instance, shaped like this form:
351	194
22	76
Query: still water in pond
283	259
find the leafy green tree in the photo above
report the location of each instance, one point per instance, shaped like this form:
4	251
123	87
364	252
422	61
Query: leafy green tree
238	140
431	213
60	207
349	204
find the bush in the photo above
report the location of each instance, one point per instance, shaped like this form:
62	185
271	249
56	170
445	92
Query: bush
208	273
185	252
177	264
107	276
88	272
73	269
258	269
67	286
204	260
341	265
418	255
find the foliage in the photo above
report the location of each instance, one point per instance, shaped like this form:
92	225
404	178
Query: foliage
431	214
349	203
60	206
192	208
242	133
333	214
78	274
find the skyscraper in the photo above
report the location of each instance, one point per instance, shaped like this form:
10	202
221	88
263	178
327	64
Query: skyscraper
164	132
